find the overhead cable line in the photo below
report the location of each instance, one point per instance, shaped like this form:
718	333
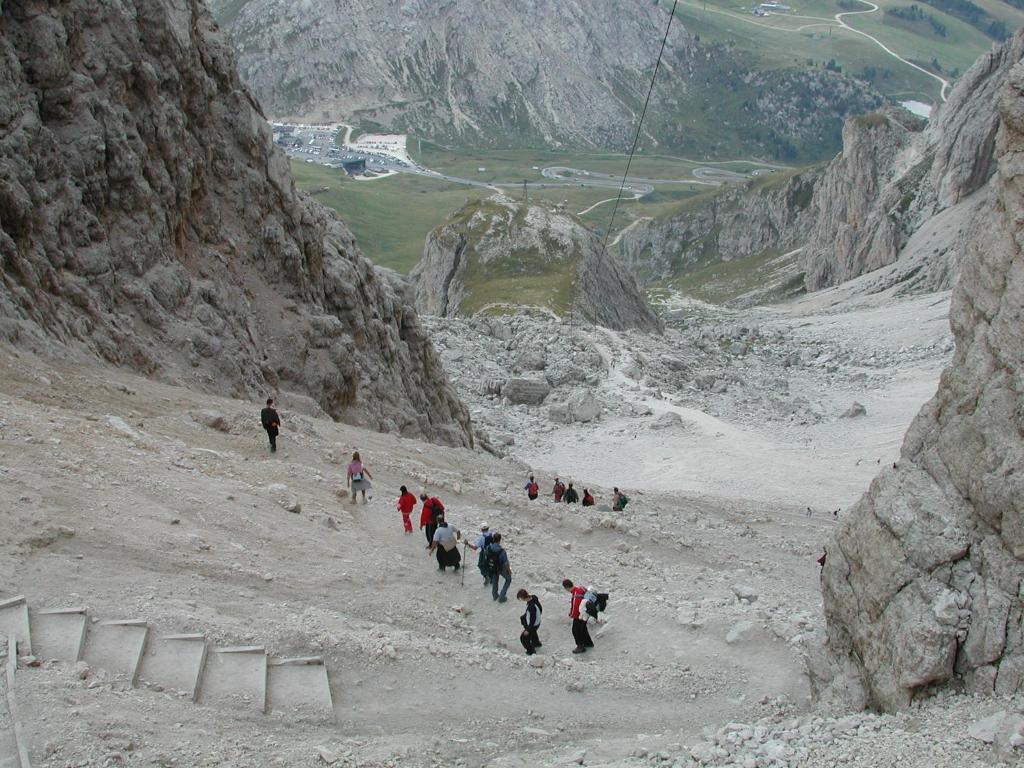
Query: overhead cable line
639	125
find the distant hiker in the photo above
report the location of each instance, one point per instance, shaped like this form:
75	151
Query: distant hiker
619	500
588	498
432	512
480	547
821	562
358	477
271	422
446	545
406	504
497	559
570	496
579	617
531	488
558	490
530	621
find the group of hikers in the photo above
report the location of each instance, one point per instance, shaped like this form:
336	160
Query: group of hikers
569	495
492	558
496	570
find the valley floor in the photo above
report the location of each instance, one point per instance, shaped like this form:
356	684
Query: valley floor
120	498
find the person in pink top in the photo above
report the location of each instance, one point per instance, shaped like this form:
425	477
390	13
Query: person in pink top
358	477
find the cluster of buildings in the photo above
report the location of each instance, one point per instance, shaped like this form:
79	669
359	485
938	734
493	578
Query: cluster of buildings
766	9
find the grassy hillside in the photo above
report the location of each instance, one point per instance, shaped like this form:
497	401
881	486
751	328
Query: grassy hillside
810	36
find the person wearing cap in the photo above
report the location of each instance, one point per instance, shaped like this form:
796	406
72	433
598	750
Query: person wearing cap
480	547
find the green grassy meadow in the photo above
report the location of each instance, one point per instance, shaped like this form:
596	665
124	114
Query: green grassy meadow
810	34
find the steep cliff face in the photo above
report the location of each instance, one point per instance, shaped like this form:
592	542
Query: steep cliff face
146	219
530	73
769	213
499	253
923	586
892	179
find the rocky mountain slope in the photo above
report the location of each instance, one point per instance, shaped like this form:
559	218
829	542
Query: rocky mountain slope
769	215
147	220
537	73
498	252
923	583
901	193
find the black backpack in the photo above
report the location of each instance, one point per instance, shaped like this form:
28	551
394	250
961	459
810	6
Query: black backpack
494	558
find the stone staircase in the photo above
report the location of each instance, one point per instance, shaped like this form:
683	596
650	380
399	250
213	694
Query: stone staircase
127	650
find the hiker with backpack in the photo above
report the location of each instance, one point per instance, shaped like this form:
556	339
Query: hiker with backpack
619	500
497	559
531	488
430	515
530	621
358	477
446	544
579	615
558	490
570	496
588	498
271	423
480	547
406	504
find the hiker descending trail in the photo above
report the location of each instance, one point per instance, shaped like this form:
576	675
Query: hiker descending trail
271	422
570	496
406	504
584	605
430	515
358	477
530	621
558	490
499	566
480	547
619	500
588	498
532	489
446	545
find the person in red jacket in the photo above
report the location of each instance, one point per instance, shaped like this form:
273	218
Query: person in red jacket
432	511
558	490
406	504
580	632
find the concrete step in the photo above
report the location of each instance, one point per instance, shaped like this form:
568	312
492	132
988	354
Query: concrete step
236	676
116	647
14	620
175	662
299	686
58	633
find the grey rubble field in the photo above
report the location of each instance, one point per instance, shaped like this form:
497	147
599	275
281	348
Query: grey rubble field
174	521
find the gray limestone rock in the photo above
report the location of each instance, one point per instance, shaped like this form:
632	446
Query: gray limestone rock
922	587
523	391
149	221
856	410
545	259
900	191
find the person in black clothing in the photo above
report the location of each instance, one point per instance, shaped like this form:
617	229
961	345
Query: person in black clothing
271	421
530	621
570	496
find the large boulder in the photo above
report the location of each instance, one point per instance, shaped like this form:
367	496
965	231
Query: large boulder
923	584
522	391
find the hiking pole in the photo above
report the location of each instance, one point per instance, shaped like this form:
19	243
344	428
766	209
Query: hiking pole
463	565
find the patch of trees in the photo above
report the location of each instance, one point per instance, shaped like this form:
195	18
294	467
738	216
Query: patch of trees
974	15
914	14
